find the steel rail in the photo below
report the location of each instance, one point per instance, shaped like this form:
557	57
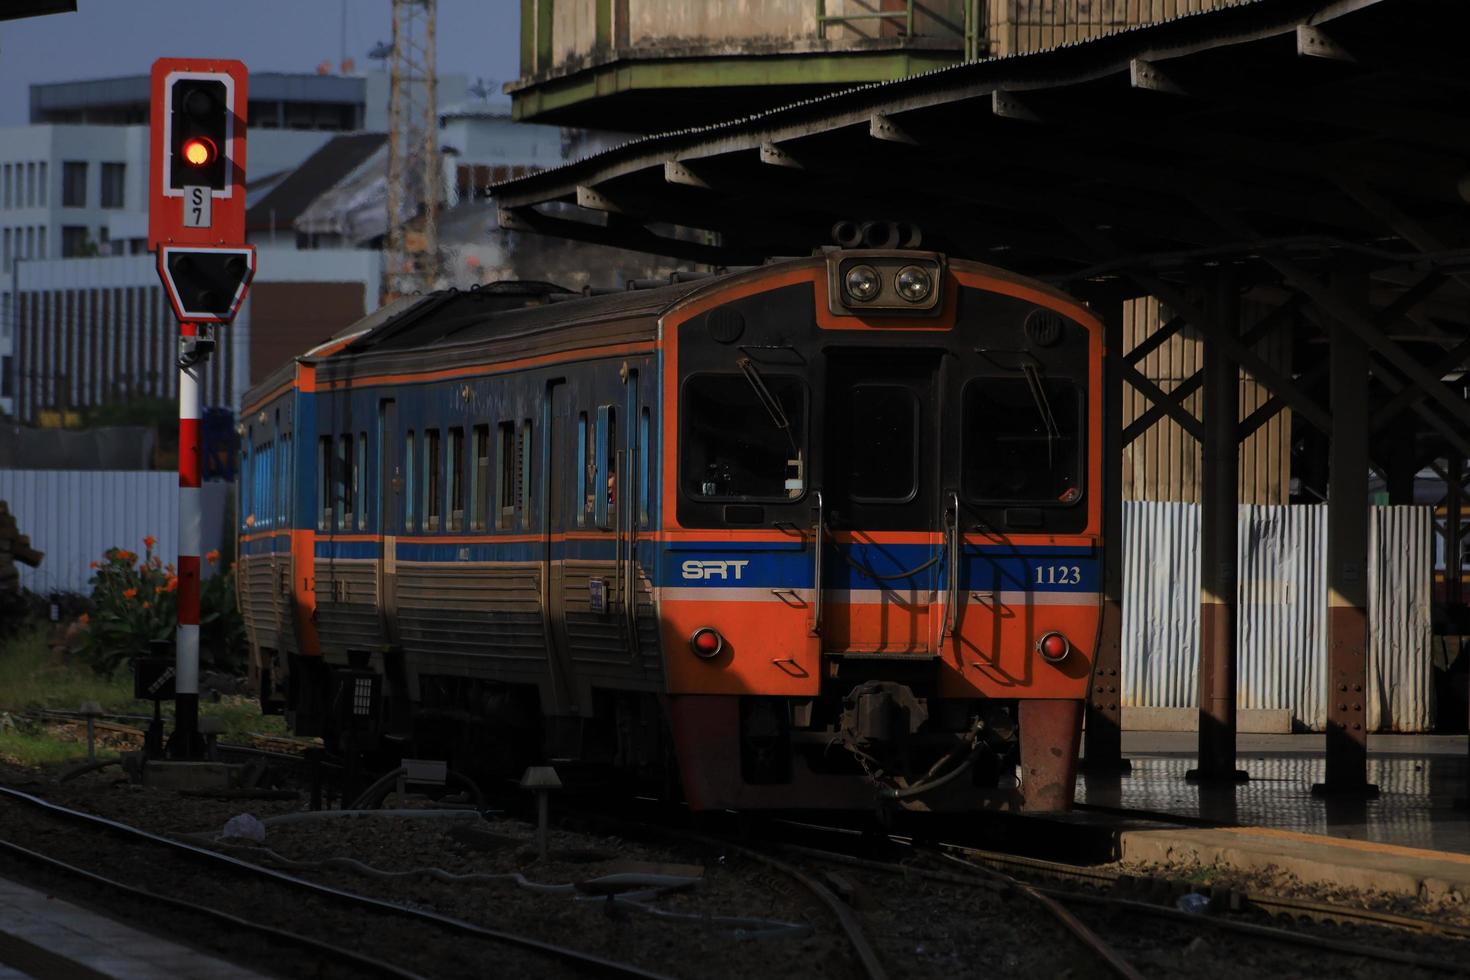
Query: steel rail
565	953
1070	922
1272	933
851	924
371	966
1270	904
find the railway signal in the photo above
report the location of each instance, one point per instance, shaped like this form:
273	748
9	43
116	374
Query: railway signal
196	225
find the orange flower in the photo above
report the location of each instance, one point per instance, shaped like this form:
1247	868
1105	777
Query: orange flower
169	568
127	556
149	542
147	605
212	556
84	619
173	584
94	564
129	593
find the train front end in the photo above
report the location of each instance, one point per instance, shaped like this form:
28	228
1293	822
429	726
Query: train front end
879	565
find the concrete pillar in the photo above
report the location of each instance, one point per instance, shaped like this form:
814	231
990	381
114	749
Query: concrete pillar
1104	750
1347	555
1219	510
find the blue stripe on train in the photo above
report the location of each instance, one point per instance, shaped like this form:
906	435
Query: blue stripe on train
1041	568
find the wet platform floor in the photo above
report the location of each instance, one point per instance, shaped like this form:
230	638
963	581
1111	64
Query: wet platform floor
1420	778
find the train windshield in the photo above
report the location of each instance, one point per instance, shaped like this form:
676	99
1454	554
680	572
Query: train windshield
734	443
1021	444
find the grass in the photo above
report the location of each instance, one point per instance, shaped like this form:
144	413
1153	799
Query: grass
32	678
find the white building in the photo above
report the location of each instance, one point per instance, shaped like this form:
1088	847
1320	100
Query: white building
74	184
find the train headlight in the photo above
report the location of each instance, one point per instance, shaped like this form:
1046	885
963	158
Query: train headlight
862	283
706	642
1053	647
913	283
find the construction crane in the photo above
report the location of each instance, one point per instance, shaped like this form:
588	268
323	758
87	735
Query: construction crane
415	173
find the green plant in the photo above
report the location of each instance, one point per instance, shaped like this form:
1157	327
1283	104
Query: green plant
136	603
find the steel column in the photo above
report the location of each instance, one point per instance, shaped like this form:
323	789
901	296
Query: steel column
1104	749
1219	510
1347	552
186	648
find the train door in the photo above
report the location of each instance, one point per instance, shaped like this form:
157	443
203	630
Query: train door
557	589
390	514
882	501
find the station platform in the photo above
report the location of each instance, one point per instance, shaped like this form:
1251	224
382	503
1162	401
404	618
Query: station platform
1411	839
44	937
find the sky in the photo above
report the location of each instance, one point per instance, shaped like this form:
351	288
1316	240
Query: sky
107	38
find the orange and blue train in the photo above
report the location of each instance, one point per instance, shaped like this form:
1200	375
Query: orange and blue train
820	534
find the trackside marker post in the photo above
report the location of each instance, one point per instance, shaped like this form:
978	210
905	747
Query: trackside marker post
196	226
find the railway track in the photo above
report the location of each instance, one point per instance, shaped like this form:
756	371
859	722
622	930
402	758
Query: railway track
386	936
1078	887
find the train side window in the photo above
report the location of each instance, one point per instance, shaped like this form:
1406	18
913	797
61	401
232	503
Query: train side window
408	471
480	478
586	473
645	450
324	483
432	502
456	478
605	488
1022	444
732	446
347	481
505	454
247	478
523	472
284	490
362	481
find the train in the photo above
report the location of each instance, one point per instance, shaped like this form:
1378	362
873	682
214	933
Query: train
820	534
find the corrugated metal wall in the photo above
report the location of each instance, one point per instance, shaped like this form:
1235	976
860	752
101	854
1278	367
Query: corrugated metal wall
1283	611
1400	588
76	515
1164	462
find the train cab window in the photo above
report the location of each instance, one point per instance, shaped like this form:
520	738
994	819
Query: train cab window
881	423
324	485
505	490
408	472
1022	442
743	437
480	478
432	501
456	478
362	481
347	483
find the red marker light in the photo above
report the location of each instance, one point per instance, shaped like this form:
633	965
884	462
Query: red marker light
1053	647
706	643
199	151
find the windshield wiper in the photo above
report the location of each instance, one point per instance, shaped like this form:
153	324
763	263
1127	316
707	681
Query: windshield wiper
1038	395
769	401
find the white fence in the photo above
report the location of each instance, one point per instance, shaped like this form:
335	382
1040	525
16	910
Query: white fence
1282	619
75	515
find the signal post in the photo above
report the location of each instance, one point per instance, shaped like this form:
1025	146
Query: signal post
196	227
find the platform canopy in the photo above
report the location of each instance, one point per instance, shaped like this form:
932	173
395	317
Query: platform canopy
1289	124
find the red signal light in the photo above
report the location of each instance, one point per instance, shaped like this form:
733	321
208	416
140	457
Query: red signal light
1053	647
706	643
199	151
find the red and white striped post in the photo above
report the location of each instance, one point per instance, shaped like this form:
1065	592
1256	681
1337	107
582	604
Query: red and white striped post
186	648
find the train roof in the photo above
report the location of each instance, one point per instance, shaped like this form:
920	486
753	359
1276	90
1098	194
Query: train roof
475	325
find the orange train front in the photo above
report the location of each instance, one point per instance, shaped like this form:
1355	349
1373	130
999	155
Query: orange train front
825	533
